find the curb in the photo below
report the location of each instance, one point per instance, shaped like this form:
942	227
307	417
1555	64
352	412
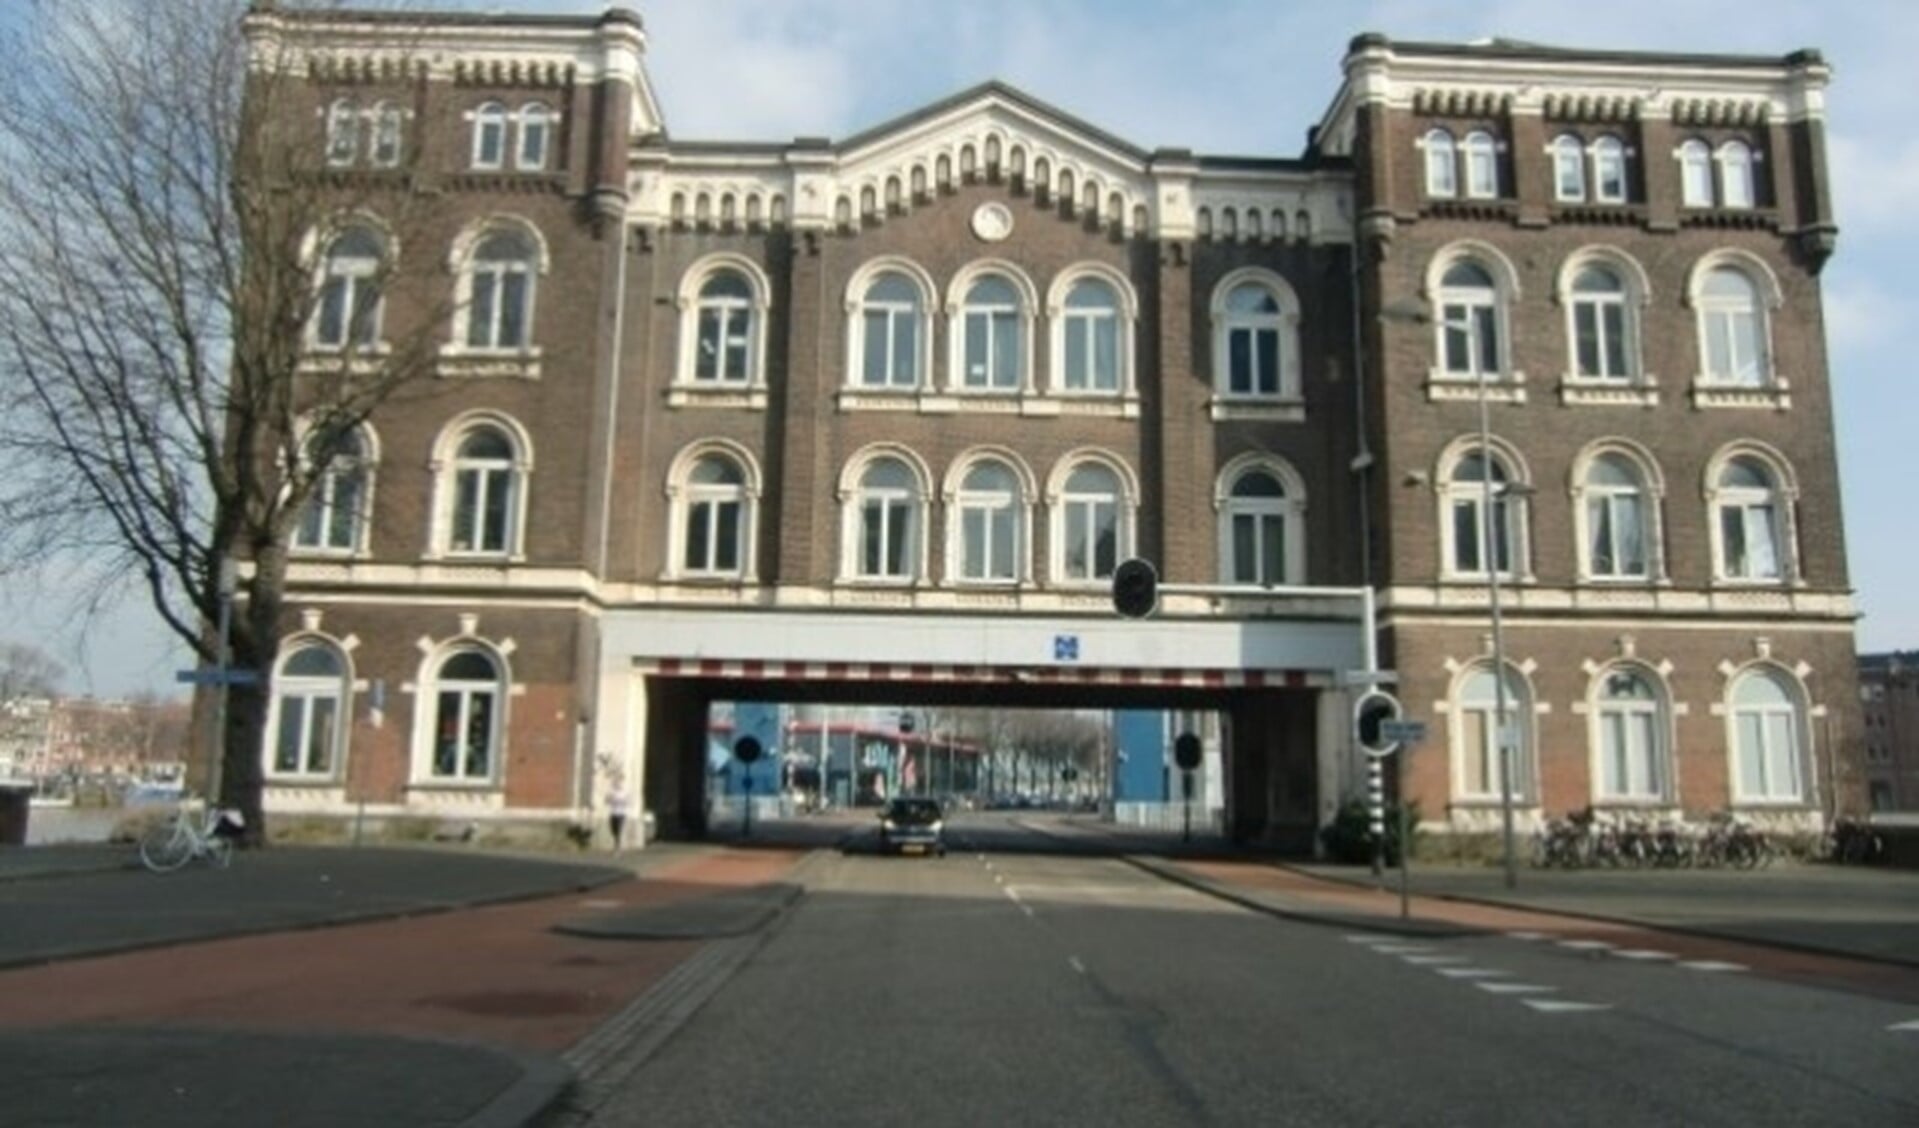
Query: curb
543	1083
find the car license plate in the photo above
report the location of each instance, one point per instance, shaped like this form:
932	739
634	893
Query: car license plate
913	848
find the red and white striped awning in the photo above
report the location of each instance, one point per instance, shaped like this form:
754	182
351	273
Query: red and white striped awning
749	670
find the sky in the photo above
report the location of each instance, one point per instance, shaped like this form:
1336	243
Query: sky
1247	77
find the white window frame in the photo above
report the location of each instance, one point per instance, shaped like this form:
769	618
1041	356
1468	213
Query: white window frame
1738	182
958	312
300	693
433	683
854	493
1796	758
354	274
1441	164
860	304
1511	498
342	133
386	145
1632	735
1519	723
1650	494
1069	507
1479	152
993	318
1780	499
1569	168
1068	320
1014	505
448	466
684	496
1721	318
1469	310
689	387
1695	173
1284	328
489	131
464	261
533	124
1288	510
725	329
1634	293
1609	185
324	500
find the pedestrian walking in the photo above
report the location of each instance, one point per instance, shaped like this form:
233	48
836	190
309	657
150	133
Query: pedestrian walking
616	804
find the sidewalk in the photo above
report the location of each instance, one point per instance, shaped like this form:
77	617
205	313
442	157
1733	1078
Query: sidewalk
332	986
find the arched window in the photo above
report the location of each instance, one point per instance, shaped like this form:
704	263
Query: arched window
1090	531
309	705
1747	522
489	136
467	697
342	133
716	518
1482	165
499	298
1483	746
989	516
991	325
1629	727
1609	170
536	129
1695	174
1472	538
1262	526
1254	326
1569	168
1735	175
726	331
1090	349
389	126
347	313
1442	168
484	506
891	329
1732	330
887	506
1604	347
335	515
1615	520
1768	738
1469	323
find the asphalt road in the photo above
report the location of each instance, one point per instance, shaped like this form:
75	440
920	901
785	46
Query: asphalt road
1014	983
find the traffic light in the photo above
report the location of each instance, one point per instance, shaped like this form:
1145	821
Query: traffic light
1374	708
1135	588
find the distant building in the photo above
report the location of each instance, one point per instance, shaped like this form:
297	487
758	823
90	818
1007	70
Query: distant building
1889	699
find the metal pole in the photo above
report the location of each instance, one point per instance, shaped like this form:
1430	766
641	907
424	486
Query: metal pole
1501	745
1405	831
228	579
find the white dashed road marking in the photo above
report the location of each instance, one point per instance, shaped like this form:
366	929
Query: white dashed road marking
1563	1006
1077	966
1526	935
1515	988
1435	961
1712	965
1472	972
1586	945
1644	954
1905	1027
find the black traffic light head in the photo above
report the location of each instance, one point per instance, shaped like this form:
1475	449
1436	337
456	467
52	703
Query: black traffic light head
1372	710
1135	588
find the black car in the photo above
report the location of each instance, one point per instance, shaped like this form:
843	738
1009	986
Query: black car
912	826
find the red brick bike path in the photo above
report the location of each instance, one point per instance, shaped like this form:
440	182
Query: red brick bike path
496	975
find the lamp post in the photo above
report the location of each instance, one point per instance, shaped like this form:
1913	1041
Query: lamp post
1502	746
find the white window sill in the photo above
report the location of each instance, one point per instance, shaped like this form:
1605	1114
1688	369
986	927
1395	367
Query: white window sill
488	364
1579	391
1452	387
748	396
1776	397
361	360
1257	409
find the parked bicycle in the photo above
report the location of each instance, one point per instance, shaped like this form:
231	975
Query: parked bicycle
202	831
1853	842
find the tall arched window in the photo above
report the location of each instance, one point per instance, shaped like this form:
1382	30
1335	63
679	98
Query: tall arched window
1732	330
726	331
1469	323
1768	738
1609	170
536	136
1735	175
1629	727
1747	522
489	136
1442	168
1604	347
1482	746
717	518
484	506
1262	526
1090	528
342	133
891	328
989	518
1615	520
335	515
499	305
389	126
886	535
467	694
991	326
1090	331
1469	533
1253	326
347	312
1695	174
309	696
1482	165
1569	168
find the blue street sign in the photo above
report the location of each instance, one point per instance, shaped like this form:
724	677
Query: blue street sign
215	676
1402	732
1065	648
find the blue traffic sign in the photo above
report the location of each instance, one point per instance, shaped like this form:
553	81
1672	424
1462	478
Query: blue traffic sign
1402	732
216	676
1065	648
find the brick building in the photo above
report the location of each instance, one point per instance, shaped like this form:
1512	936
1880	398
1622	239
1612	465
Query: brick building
872	421
1889	702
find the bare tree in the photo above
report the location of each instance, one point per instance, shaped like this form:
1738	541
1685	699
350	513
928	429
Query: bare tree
183	366
27	671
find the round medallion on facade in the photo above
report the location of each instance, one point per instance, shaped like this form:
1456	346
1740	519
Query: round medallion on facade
992	222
